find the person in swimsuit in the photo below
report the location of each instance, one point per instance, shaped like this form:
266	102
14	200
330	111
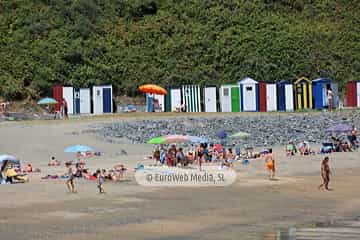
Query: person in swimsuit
100	175
330	96
200	154
325	174
270	164
353	137
70	181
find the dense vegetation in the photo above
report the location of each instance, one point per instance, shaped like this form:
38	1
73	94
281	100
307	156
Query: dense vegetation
171	42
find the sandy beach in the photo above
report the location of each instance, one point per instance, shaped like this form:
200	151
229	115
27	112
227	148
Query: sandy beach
252	208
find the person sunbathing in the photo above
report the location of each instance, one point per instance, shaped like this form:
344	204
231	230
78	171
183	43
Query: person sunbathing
28	168
54	162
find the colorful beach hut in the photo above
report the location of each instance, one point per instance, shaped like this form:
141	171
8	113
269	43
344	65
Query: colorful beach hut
285	96
102	99
155	103
320	87
351	94
358	93
262	97
82	101
210	99
271	97
58	96
230	98
267	97
68	95
303	93
249	89
191	97
175	98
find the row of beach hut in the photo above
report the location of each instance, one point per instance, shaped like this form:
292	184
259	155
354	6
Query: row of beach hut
248	95
95	100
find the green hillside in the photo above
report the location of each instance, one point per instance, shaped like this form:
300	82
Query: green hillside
172	42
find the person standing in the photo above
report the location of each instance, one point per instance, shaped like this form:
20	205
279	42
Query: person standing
70	181
330	97
65	108
100	175
353	137
270	164
325	174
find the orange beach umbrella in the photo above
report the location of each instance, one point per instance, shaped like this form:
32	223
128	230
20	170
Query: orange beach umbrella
154	89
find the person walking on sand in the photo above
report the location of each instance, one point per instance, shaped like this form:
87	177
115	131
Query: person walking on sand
325	174
100	180
70	181
270	164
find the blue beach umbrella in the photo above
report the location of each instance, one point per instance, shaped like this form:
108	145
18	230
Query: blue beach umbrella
221	134
78	148
5	157
340	128
47	101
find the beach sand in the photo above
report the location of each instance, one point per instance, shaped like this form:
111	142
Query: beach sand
252	208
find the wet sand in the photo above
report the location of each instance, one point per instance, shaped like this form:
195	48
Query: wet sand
252	208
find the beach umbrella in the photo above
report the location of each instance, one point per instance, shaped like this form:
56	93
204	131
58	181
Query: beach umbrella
5	157
153	89
170	139
78	148
194	139
221	134
240	135
47	101
340	128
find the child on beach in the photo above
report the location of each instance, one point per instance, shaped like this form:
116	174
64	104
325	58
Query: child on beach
270	164
325	174
100	180
70	181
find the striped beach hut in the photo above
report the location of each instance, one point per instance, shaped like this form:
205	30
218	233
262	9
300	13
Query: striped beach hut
303	93
191	97
230	98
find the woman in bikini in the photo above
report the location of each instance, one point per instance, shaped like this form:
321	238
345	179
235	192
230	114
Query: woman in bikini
270	164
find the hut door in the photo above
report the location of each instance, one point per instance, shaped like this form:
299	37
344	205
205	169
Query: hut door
68	94
289	97
77	102
249	98
107	101
175	98
235	99
97	100
225	99
85	101
210	99
358	93
271	97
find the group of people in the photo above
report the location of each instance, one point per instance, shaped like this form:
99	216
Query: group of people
100	175
204	153
175	156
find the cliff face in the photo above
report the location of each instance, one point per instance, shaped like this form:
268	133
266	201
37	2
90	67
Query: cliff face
172	42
